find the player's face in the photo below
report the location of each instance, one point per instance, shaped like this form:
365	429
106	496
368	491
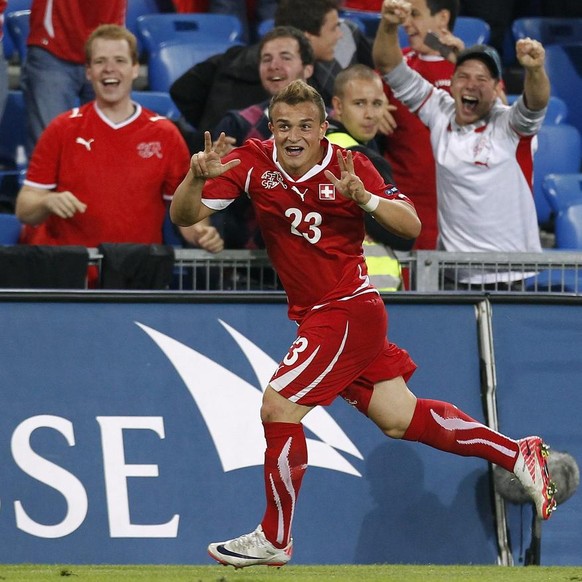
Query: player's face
330	32
474	91
298	131
361	108
111	70
422	21
281	63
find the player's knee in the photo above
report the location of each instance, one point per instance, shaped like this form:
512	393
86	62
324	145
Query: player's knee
394	432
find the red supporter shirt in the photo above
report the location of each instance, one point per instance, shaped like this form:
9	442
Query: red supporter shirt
367	5
62	27
2	10
125	173
312	233
409	150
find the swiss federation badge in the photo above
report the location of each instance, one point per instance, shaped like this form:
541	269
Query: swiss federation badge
326	192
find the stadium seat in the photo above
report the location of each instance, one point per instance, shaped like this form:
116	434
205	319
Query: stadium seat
264	26
135	9
559	152
158	101
7	42
175	42
12	128
17	26
557	109
469	29
12	135
10	228
548	30
367	21
155	29
564	68
564	194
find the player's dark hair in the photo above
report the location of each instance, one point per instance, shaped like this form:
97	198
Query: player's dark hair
297	92
306	15
305	48
112	32
357	72
453	6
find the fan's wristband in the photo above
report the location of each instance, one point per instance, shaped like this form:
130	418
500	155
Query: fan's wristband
371	205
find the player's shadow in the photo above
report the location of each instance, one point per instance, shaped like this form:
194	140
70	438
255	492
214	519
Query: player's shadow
409	524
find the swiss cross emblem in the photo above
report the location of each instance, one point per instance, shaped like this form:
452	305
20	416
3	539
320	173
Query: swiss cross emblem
326	192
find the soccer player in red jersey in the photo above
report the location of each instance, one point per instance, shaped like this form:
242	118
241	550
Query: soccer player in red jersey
310	198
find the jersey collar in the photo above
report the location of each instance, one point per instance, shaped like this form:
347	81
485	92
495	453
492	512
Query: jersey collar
315	170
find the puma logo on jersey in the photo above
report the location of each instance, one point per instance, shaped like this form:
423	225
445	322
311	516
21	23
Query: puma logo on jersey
301	194
85	142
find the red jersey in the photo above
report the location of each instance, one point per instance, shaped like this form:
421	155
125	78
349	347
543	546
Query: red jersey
124	172
366	5
409	150
2	9
62	26
312	233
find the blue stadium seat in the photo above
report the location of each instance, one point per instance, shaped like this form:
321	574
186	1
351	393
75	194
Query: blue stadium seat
17	26
469	29
175	42
10	228
564	194
12	128
548	30
158	101
264	26
557	109
12	135
135	9
472	30
564	68
7	42
367	21
156	29
559	152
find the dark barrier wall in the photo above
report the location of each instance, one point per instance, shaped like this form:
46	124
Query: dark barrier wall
130	434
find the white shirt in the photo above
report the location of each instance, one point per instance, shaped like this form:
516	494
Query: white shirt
484	171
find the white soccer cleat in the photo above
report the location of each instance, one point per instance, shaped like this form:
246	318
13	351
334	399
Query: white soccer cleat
531	468
252	549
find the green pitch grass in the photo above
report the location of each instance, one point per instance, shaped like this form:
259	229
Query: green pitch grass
381	573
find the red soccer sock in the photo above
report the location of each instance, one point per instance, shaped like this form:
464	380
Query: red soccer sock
443	426
285	465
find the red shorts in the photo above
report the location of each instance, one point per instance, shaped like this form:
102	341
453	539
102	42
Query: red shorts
341	349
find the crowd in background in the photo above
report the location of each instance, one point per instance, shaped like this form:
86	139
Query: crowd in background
53	78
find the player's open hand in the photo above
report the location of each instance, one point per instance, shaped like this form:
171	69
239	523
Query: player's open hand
207	164
348	184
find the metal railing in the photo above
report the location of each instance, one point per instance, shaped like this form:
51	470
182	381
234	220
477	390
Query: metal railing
423	271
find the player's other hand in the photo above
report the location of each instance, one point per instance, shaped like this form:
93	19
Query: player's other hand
225	145
207	164
64	204
348	184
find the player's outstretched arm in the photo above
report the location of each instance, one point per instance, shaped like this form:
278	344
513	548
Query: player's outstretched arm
186	207
397	216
